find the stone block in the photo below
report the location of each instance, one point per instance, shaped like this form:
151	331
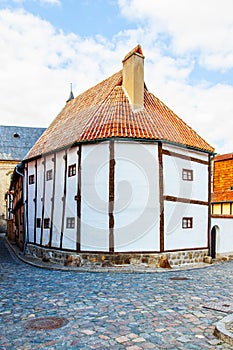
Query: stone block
163	262
208	260
73	260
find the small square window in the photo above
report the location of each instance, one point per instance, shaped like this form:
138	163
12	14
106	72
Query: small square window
46	223
187	223
72	170
231	188
49	175
38	222
31	179
187	175
70	222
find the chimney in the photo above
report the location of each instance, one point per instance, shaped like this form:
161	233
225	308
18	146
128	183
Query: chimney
133	77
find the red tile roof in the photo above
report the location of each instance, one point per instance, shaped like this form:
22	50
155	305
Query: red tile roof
104	112
220	157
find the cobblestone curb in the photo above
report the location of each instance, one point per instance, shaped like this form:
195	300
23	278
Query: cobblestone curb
223	329
137	268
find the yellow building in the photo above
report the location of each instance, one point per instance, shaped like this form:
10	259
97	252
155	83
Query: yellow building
222	196
221	235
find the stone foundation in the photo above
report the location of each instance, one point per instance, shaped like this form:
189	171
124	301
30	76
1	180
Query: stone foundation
101	259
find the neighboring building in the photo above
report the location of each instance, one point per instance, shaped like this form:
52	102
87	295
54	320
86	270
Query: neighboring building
15	204
15	142
222	206
118	173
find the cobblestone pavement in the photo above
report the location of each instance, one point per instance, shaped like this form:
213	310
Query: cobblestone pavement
167	310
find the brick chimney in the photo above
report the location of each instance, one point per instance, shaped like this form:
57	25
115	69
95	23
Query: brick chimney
133	77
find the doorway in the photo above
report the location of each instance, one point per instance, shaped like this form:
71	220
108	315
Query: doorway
213	241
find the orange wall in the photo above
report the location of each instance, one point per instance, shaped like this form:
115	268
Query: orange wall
223	175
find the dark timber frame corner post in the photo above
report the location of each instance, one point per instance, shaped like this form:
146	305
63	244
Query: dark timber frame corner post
111	195
161	198
64	199
43	201
78	198
209	201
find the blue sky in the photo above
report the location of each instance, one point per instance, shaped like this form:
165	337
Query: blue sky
188	48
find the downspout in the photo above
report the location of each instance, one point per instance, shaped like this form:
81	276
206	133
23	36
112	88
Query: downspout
24	209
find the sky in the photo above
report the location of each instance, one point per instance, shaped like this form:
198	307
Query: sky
188	46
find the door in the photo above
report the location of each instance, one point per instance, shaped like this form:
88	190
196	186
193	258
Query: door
213	242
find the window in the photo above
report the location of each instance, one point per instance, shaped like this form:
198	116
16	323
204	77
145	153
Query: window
187	175
231	188
38	222
187	223
46	223
49	175
72	170
31	179
70	222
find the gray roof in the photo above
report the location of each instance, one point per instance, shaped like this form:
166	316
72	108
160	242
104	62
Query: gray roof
16	141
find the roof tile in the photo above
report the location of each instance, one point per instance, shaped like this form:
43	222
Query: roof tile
104	112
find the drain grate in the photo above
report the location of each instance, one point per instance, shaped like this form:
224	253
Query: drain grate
46	323
179	278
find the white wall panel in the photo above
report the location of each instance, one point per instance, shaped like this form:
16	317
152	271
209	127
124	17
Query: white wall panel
49	165
69	235
174	185
224	235
136	207
94	197
175	237
186	152
40	186
58	203
31	203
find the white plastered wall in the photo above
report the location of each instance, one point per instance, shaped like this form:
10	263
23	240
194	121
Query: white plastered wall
40	186
69	234
172	170
94	197
58	203
224	235
136	207
49	165
31	203
175	237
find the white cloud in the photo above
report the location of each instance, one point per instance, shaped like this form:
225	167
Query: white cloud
203	27
37	63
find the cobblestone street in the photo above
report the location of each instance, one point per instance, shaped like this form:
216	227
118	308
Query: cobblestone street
166	310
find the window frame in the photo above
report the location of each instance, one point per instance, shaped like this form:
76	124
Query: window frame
187	222
187	174
49	175
46	223
31	179
70	222
72	170
38	222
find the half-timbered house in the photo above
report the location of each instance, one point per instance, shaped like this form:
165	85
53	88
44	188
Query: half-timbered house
119	174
